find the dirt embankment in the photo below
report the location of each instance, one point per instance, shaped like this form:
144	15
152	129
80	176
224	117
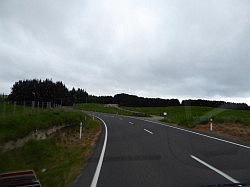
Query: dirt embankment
231	130
36	135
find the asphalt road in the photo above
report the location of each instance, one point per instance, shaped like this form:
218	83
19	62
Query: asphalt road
143	153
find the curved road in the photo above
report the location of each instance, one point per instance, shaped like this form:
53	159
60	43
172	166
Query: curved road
144	153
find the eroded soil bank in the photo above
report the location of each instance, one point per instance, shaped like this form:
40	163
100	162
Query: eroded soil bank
236	131
36	135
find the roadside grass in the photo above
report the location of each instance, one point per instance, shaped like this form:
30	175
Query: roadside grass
18	121
190	116
62	155
107	109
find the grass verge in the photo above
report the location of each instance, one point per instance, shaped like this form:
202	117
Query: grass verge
108	109
56	160
230	123
191	116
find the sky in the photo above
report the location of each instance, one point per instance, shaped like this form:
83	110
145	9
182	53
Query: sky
152	48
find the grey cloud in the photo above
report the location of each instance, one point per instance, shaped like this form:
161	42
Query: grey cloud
183	49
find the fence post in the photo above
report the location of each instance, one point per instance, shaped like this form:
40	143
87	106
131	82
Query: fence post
211	124
81	130
4	108
23	106
14	107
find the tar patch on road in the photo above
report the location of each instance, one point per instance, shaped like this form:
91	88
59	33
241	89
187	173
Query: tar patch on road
128	158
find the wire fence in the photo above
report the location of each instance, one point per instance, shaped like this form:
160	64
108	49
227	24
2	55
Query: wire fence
7	107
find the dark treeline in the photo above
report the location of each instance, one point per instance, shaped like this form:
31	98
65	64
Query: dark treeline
135	101
35	92
38	92
215	104
132	101
100	99
3	97
78	96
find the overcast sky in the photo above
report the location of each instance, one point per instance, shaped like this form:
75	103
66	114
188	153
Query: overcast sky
157	48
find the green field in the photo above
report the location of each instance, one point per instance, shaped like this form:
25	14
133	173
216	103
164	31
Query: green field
62	154
191	116
185	116
106	109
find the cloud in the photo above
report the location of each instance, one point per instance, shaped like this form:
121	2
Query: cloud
183	49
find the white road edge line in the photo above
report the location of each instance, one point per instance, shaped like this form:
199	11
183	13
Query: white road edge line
99	165
207	136
148	131
131	123
215	169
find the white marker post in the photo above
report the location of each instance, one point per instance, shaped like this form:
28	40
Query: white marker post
81	130
211	124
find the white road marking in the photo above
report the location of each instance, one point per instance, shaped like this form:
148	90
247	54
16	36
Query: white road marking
148	131
131	123
99	165
207	136
215	169
189	131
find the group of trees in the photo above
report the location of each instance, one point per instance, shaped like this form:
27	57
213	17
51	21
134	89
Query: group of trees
56	93
100	99
78	96
135	101
216	104
2	97
39	92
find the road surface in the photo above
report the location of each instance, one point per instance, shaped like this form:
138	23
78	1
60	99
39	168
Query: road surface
134	152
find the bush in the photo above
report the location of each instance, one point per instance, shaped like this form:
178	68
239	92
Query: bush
187	121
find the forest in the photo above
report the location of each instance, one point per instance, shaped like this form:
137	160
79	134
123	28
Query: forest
47	93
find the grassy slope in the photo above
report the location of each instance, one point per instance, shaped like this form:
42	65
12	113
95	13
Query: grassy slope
185	116
190	116
17	122
101	108
63	155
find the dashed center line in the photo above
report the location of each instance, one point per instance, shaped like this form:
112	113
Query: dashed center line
148	131
215	169
193	132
